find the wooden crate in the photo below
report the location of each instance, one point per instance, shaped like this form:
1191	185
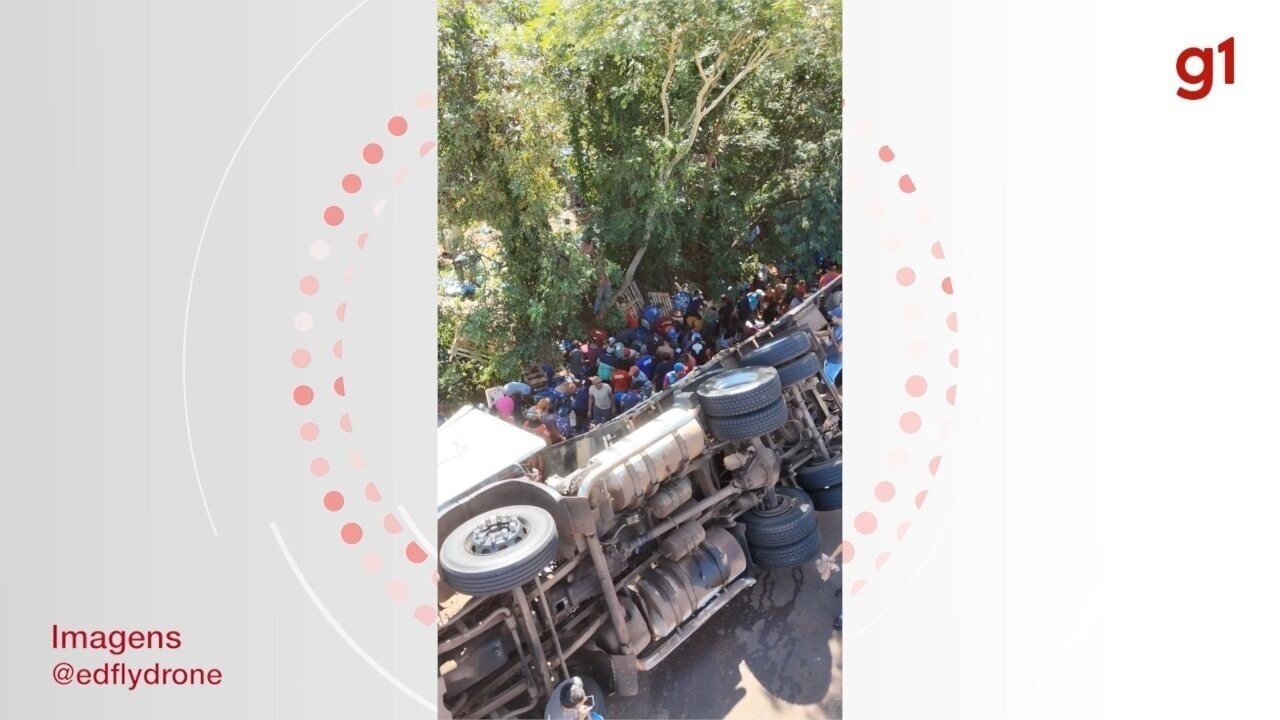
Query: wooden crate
662	300
630	297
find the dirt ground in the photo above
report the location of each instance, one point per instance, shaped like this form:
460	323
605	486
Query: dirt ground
771	653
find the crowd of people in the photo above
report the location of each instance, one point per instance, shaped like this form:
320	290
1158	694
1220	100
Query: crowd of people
606	374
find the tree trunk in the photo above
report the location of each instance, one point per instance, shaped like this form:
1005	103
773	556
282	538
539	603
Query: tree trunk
650	215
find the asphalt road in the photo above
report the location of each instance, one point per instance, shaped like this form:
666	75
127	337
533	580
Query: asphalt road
771	653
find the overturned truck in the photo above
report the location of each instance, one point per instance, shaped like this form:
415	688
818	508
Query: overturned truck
598	557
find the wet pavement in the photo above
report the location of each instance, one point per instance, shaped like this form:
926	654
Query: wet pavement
771	653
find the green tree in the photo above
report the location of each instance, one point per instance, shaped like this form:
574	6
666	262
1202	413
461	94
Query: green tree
501	163
688	140
649	88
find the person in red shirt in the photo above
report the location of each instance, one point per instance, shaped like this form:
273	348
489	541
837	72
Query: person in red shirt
830	275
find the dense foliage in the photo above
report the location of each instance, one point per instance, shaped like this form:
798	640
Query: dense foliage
687	139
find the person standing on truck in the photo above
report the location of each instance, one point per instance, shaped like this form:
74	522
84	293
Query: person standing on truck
835	351
601	400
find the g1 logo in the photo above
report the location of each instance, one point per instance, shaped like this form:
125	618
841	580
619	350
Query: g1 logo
1203	80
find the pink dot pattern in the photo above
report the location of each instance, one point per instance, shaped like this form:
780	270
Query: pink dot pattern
345	482
922	283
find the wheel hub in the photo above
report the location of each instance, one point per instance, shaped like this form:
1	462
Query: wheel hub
496	534
783	506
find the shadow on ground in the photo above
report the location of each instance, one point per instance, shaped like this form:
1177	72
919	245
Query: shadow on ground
772	652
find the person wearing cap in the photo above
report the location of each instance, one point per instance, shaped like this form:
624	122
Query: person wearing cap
671	378
601	400
835	351
604	364
639	382
701	352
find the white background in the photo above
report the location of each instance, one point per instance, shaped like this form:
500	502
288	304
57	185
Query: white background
1110	550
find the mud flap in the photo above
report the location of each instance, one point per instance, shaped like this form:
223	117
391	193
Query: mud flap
626	677
617	672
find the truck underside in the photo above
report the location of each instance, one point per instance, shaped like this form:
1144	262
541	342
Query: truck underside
600	556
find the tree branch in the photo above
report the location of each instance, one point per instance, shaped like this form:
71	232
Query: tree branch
672	50
757	59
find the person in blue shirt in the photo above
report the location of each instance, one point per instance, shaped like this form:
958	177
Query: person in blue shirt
639	382
629	399
582	405
835	351
674	376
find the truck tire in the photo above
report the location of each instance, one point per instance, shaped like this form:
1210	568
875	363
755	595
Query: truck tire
792	555
498	550
827	499
780	527
698	379
754	424
739	392
800	495
778	350
818	475
802	368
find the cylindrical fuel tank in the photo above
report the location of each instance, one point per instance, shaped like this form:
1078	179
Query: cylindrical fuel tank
671	497
670	592
648	456
682	541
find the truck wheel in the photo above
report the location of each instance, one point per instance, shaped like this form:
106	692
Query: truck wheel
698	379
499	550
803	367
792	555
778	527
801	496
754	424
739	392
818	475
778	350
827	499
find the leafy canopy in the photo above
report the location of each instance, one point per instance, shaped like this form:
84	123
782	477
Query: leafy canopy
685	138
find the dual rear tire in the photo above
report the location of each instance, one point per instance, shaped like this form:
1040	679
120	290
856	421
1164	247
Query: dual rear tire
784	536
